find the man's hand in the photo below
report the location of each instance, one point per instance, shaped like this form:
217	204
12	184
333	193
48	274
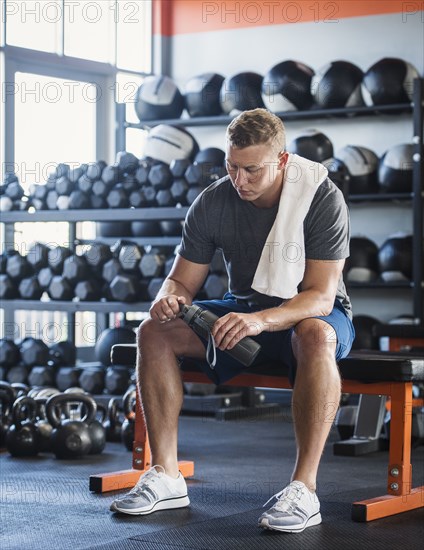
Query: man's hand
231	328
166	308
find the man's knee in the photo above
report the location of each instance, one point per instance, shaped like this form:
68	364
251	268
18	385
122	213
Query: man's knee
314	337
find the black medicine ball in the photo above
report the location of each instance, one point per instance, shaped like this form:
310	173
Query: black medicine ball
167	143
110	337
287	87
338	174
241	92
365	332
201	95
338	84
158	98
362	265
389	81
395	258
313	145
210	155
395	172
362	164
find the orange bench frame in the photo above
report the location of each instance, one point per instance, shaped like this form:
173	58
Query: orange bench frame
400	497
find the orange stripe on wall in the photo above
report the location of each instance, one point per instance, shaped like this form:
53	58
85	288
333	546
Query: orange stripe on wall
171	17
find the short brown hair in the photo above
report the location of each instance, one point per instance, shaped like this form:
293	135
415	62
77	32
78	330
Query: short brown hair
257	127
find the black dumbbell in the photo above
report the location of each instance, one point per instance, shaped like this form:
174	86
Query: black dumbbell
34	352
95	169
142	173
18	267
44	277
127	162
8	288
62	353
30	289
92	379
42	375
111	269
137	199
130	255
152	264
67	377
9	353
164	198
193	193
56	258
178	167
150	195
117	379
64	186
117	197
101	189
128	288
160	176
79	200
75	269
111	175
38	256
98	202
96	255
85	184
179	189
60	289
88	291
62	202
76	173
18	374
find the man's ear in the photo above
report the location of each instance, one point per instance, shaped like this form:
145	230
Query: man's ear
283	157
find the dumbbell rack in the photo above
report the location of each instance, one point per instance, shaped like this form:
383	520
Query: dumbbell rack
72	217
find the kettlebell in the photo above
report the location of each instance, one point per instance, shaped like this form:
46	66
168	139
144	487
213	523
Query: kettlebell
22	438
43	426
128	426
113	423
7	397
98	432
70	438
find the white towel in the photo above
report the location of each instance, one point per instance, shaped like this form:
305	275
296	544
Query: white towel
282	264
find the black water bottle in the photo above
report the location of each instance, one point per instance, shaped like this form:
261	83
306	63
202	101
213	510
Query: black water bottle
201	321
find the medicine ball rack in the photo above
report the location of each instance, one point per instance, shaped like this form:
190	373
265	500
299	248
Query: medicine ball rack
171	213
416	108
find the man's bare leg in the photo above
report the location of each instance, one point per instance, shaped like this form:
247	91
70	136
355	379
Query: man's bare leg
160	384
316	395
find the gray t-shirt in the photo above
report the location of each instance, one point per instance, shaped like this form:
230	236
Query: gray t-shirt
219	219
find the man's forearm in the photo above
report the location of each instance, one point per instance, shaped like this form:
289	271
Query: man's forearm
170	286
309	303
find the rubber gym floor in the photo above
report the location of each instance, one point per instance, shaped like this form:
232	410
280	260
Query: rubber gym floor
239	464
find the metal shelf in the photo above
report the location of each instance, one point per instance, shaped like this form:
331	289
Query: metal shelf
141	241
311	114
380	285
98	215
73	307
381	197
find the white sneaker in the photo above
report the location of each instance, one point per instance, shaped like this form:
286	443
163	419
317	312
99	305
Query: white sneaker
154	491
296	508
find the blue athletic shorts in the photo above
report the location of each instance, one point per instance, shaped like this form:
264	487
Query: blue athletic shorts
275	346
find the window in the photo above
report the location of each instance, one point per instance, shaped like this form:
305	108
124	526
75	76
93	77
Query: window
134	22
90	30
55	121
34	24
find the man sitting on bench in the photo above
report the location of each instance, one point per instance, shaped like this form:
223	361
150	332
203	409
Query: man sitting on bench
283	228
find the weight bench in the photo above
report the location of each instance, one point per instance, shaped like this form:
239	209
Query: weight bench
373	373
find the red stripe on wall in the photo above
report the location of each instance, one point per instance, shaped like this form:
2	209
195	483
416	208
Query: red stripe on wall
171	17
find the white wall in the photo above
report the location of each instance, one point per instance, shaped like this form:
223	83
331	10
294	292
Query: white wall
361	40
